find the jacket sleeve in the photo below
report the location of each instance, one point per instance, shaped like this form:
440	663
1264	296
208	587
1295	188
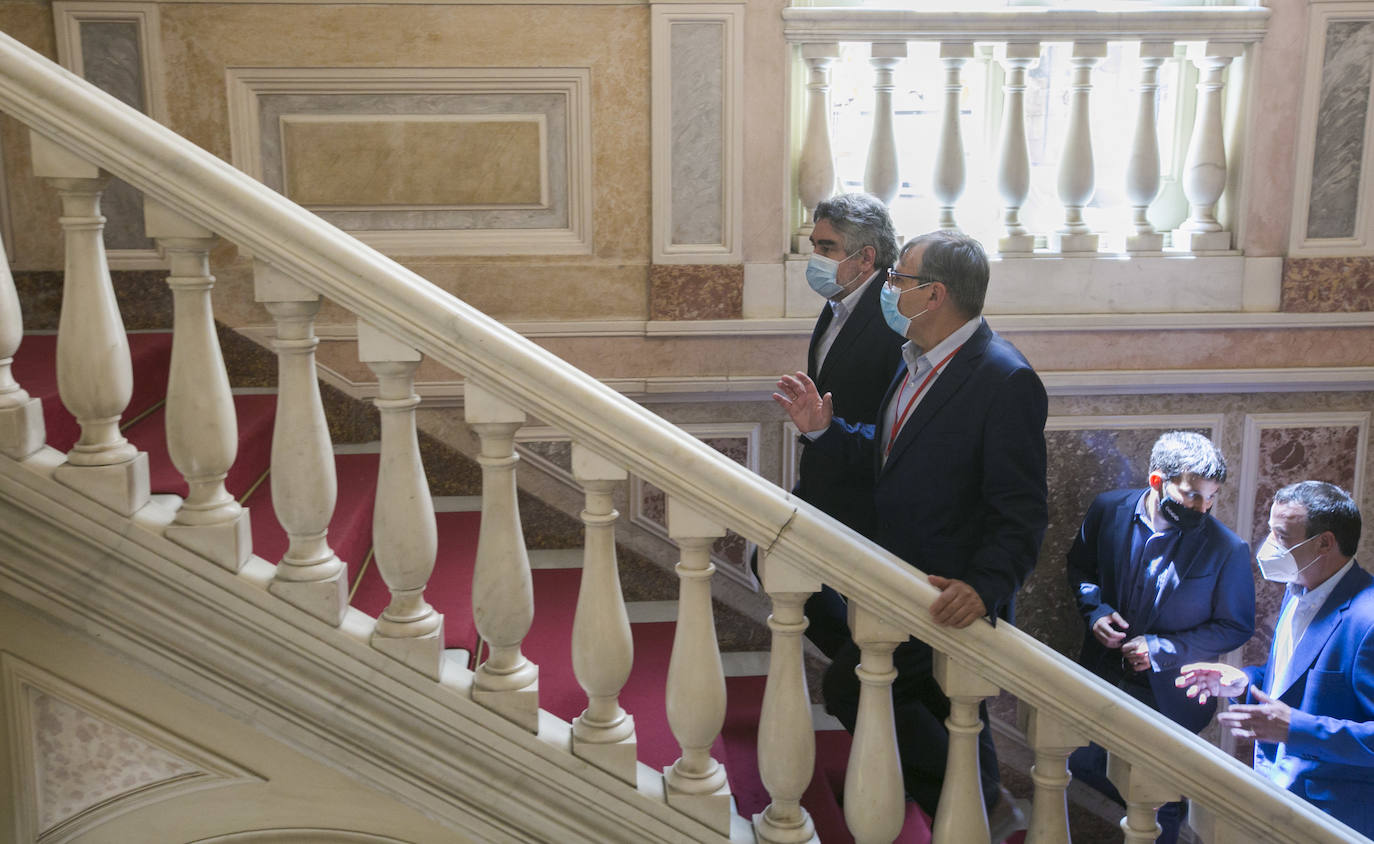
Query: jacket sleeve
1230	624
1083	569
1346	741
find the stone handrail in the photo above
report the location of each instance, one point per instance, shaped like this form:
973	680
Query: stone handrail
708	489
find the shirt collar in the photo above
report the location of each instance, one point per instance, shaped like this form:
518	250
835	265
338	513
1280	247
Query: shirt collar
847	305
915	357
1318	595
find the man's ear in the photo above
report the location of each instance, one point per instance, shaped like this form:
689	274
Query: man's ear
1157	482
870	255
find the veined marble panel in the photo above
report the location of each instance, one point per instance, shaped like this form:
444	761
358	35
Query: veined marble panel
1322	285
696	291
1340	137
697	141
422	160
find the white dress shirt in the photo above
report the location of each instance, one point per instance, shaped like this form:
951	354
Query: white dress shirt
840	312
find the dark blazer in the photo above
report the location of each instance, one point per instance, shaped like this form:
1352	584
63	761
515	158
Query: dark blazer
962	493
1205	608
856	372
1331	692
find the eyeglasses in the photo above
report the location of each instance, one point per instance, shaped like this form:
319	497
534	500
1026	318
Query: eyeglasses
893	274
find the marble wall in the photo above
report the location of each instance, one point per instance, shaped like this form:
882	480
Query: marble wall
1340	137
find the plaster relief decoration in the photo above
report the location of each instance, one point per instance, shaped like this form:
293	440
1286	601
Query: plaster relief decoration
115	47
1333	215
649	504
81	760
300	836
425	161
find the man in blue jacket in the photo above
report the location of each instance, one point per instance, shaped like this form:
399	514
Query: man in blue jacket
1159	583
957	463
1310	707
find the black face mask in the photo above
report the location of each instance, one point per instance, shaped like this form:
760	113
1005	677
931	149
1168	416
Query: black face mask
1184	518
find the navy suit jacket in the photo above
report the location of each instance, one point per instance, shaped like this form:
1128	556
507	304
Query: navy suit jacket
856	372
1331	692
1204	608
963	492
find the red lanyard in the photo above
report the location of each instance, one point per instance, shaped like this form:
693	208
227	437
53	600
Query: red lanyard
901	420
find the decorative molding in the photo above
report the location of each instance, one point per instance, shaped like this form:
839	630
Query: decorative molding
1256	423
20	678
1171	421
1321	14
669	149
300	835
791	456
246	86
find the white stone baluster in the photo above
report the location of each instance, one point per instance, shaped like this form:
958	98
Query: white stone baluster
1144	792
1142	170
695	783
404	536
602	647
94	373
948	180
502	593
1211	828
816	169
874	796
304	485
202	429
1204	170
1013	159
1053	740
962	815
21	416
1077	181
882	177
787	743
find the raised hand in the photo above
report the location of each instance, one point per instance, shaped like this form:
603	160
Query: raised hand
798	396
1205	680
1264	721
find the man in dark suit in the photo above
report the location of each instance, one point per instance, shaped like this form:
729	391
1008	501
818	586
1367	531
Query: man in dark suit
852	354
1310	707
1159	583
957	459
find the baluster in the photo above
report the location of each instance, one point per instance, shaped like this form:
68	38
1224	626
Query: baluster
1204	170
962	815
1142	170
1144	792
94	373
1013	159
1053	740
881	174
948	183
21	416
695	783
304	484
787	743
874	796
1211	828
602	647
816	169
502	594
404	536
202	429
1076	178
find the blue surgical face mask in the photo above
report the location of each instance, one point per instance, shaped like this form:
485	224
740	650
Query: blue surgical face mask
888	299
821	272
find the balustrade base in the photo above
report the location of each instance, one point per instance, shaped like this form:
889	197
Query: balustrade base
766	832
228	544
21	429
1067	243
519	706
1014	244
324	599
620	759
123	487
423	653
801	243
1145	242
713	809
1191	241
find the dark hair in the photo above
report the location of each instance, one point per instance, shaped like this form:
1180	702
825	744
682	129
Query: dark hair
1184	452
862	220
957	261
1328	508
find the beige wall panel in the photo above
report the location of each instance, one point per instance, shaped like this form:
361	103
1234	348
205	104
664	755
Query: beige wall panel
765	131
414	162
34	209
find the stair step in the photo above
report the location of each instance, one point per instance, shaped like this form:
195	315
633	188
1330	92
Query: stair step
350	528
255	414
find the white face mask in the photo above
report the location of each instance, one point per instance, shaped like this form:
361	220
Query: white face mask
1279	566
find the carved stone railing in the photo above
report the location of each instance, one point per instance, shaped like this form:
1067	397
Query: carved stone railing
1214	37
403	317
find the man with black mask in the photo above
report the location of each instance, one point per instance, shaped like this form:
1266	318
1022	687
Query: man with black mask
1160	583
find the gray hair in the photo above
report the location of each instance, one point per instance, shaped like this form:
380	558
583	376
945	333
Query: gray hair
959	263
1180	453
1328	508
862	220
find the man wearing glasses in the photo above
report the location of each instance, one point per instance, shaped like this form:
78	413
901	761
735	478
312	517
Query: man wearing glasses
1159	583
957	461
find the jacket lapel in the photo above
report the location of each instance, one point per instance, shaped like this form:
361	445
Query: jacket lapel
1185	551
1328	618
860	322
1123	528
822	323
946	385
